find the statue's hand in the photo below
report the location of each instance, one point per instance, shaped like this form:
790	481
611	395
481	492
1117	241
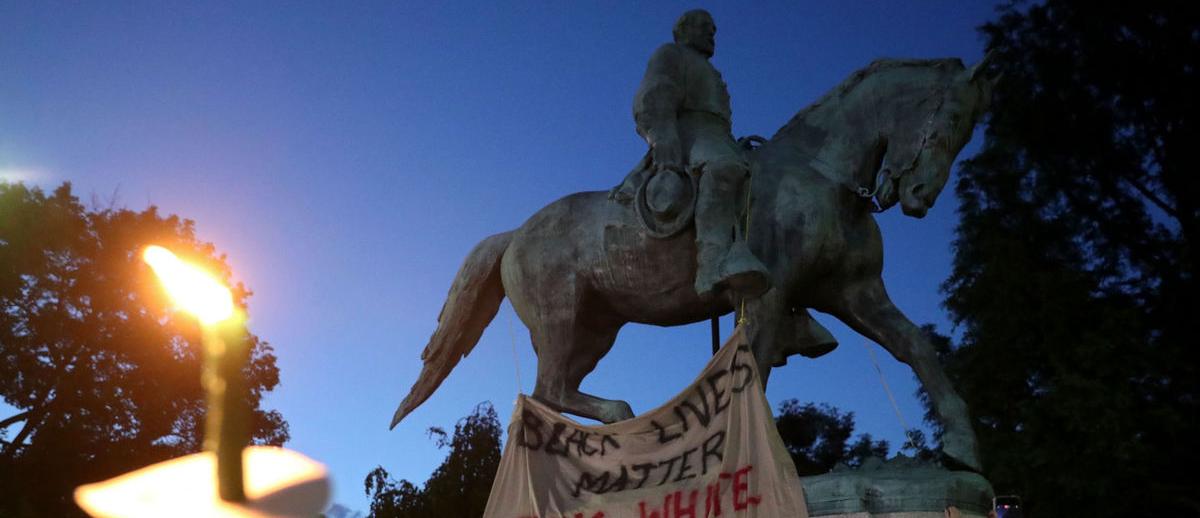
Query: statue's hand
658	168
667	156
751	142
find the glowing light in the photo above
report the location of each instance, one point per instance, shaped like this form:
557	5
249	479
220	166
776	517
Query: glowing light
279	483
191	288
20	176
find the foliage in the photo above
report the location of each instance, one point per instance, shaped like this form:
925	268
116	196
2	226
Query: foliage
459	487
103	376
917	447
1074	279
817	438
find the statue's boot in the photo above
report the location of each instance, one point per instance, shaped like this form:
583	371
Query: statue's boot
722	261
731	267
743	273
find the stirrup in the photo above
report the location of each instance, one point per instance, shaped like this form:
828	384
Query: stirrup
750	284
743	273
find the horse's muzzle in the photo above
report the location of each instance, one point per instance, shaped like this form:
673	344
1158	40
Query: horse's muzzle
917	199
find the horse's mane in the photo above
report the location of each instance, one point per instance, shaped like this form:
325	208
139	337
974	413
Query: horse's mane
845	87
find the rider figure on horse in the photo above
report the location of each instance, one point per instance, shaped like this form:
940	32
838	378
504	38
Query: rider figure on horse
682	110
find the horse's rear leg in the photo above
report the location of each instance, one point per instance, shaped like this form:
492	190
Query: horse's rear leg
567	351
867	308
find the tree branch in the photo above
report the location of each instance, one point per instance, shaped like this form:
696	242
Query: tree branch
1158	202
15	419
17	442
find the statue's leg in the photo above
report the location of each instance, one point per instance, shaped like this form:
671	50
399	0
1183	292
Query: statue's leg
568	350
722	262
866	308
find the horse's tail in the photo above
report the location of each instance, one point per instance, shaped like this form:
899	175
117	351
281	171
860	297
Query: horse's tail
473	301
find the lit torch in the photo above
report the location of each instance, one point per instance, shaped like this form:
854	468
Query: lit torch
226	430
275	482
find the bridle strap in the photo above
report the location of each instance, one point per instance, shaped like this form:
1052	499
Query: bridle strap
885	174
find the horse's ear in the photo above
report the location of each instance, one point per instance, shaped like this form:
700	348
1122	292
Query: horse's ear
979	77
994	80
981	66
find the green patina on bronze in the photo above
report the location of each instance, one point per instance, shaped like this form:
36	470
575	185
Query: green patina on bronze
585	265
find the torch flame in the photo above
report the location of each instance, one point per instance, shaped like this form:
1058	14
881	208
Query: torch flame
191	288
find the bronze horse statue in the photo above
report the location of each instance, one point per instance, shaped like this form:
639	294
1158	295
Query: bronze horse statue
585	265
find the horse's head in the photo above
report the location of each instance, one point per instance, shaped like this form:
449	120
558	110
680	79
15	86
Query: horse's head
936	122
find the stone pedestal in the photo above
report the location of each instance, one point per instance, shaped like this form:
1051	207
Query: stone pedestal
899	488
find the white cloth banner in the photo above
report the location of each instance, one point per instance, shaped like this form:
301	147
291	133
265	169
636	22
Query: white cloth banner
712	451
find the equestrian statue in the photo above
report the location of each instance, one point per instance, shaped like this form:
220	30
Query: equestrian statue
705	225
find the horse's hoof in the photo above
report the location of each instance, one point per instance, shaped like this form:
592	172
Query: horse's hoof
960	454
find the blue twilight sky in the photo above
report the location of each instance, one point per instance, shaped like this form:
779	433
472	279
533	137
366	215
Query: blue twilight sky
346	156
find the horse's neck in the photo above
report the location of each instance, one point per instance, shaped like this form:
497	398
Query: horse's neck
840	137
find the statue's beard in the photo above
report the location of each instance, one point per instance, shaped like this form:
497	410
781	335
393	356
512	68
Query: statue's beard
702	45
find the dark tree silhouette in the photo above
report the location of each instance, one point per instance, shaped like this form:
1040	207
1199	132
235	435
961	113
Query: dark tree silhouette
459	487
103	376
1074	279
817	437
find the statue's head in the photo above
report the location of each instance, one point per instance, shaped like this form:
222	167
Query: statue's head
696	29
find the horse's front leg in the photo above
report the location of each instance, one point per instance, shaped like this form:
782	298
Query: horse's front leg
866	308
761	319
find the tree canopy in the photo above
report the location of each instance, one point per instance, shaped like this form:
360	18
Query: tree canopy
1074	276
458	487
103	375
818	438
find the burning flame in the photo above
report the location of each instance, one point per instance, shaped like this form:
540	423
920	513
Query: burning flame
191	288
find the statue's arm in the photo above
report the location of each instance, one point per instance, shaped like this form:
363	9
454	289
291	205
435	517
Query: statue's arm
656	106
